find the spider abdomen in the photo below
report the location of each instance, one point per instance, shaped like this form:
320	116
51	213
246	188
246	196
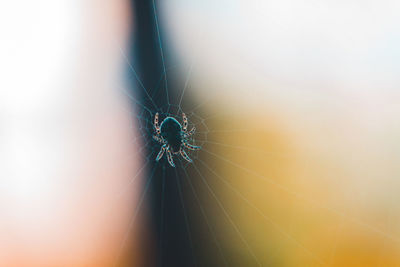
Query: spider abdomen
171	131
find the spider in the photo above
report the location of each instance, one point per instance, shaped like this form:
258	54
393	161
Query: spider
173	137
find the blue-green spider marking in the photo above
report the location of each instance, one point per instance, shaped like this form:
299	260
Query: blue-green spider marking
173	137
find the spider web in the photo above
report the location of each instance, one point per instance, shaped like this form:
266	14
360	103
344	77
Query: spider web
195	173
185	172
145	109
161	99
205	175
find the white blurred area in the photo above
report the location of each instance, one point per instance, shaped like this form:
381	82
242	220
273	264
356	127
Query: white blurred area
327	70
66	135
308	45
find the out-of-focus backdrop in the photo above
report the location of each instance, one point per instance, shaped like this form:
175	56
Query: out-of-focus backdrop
296	105
306	127
66	135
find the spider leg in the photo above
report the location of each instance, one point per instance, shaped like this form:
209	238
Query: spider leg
156	126
169	157
191	132
161	153
158	139
185	156
191	147
185	122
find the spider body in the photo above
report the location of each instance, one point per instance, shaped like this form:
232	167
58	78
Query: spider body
171	131
173	137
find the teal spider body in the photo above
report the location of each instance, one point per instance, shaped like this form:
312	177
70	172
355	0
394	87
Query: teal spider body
171	132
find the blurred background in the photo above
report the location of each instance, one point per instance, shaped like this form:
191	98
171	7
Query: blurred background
296	109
